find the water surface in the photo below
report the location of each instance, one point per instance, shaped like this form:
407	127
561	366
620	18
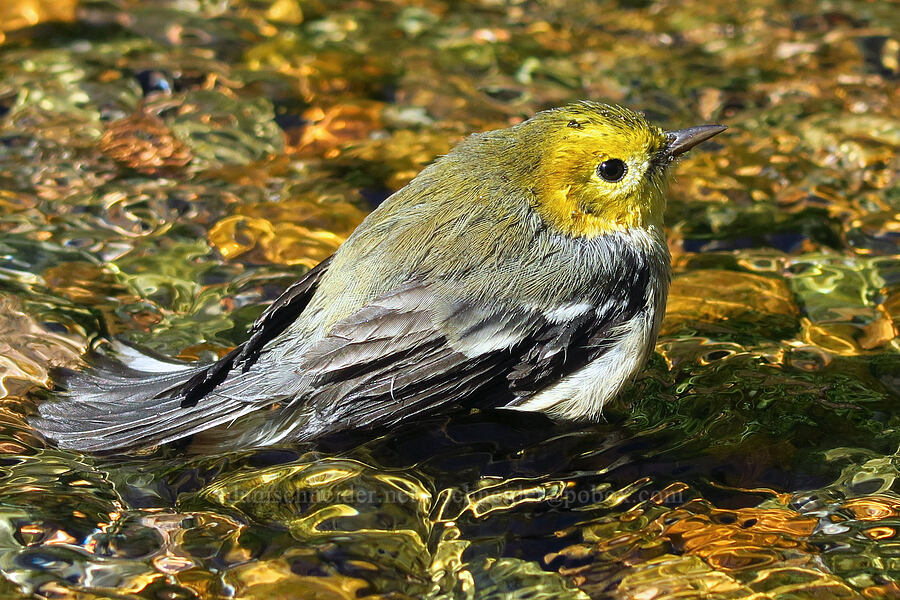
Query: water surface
168	167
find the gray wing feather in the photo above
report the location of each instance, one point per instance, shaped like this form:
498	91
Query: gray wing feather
415	351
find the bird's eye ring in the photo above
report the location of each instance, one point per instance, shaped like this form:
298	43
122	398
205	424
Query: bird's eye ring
612	170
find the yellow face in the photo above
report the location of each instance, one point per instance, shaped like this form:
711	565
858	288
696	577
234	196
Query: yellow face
603	170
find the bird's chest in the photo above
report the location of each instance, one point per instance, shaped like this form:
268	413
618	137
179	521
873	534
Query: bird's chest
595	343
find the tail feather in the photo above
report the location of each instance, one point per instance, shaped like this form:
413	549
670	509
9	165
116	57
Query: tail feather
131	403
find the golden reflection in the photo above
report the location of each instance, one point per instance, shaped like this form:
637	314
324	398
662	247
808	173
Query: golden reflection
316	76
284	12
873	508
763	530
882	330
84	283
669	577
144	143
298	231
330	128
28	351
196	352
886	590
405	151
837	338
880	533
717	295
840	318
281	243
699	551
16	14
275	579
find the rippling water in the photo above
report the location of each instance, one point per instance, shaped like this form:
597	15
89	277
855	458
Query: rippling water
167	167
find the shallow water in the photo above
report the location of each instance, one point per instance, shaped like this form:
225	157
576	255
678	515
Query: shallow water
167	167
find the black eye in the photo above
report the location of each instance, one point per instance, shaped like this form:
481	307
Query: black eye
612	170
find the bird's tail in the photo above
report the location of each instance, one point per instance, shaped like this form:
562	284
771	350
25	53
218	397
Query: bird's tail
133	402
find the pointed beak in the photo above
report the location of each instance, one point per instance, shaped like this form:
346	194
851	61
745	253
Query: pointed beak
682	140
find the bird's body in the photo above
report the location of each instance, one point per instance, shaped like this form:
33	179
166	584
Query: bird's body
526	269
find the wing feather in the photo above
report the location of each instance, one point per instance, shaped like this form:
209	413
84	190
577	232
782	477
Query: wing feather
414	351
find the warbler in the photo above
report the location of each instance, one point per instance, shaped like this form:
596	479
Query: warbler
526	269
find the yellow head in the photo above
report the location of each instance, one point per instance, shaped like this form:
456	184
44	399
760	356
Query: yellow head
602	168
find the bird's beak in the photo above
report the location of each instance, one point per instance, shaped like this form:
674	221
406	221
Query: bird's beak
682	140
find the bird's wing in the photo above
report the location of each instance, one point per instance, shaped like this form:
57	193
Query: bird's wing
414	351
271	323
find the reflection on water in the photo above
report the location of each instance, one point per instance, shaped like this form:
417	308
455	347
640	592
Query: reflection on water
168	167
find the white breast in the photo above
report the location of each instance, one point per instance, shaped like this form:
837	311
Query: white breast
582	394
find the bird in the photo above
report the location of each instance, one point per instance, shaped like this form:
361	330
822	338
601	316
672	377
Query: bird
527	269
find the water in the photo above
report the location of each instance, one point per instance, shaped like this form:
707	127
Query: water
168	167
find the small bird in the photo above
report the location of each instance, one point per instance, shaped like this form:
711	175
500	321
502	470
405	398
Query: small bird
527	269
